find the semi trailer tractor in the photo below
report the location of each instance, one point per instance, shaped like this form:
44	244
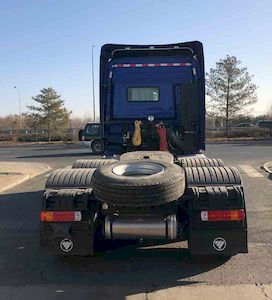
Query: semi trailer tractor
153	182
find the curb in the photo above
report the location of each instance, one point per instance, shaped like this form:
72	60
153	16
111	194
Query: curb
238	141
268	167
26	177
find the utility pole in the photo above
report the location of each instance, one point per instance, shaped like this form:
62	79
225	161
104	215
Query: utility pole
93	85
20	114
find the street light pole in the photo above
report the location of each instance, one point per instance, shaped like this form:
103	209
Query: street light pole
93	85
20	114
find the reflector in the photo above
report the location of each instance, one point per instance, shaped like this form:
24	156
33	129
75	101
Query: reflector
223	215
60	216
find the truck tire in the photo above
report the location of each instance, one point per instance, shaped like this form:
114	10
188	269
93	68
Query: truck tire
201	162
154	155
137	183
70	178
203	176
92	163
97	146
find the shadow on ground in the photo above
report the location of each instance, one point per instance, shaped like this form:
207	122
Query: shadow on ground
132	269
56	155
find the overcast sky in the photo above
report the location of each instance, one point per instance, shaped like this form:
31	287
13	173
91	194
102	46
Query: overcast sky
48	43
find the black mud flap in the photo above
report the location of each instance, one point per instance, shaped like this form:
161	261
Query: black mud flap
224	238
67	239
70	238
218	242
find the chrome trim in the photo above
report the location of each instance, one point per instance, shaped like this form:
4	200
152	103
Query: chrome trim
107	227
141	227
172	227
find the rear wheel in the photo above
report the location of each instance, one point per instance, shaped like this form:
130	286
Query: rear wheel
201	162
97	146
70	178
203	176
92	163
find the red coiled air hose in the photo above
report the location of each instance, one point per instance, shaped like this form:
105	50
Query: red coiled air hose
163	138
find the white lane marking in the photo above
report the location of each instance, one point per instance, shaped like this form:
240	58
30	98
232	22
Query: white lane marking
250	171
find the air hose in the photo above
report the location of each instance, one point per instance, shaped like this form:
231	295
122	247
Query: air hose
163	137
174	139
137	138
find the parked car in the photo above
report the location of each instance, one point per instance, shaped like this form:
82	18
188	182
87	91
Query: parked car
243	125
264	123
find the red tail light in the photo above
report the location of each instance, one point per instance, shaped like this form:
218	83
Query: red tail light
223	215
60	216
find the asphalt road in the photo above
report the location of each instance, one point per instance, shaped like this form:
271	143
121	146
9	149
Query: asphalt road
26	272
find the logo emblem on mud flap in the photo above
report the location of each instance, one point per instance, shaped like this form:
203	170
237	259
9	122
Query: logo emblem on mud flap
66	245
219	244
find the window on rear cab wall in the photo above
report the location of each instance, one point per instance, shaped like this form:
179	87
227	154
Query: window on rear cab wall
143	94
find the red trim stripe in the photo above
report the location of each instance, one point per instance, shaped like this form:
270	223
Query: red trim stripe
152	65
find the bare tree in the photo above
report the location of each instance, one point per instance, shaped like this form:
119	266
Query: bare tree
269	111
230	88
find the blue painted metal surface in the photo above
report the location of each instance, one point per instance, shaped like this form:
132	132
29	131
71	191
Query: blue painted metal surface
116	110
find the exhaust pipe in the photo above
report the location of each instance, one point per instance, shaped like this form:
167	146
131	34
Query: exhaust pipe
141	227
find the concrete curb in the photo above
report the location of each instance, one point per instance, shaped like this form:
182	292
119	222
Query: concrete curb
25	172
208	292
214	142
18	181
268	167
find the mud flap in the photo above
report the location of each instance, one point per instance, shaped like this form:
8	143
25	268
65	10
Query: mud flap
70	238
67	238
219	242
219	237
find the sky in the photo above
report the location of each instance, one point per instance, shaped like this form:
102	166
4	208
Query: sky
48	43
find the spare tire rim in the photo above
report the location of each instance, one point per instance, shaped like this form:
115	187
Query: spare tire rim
138	169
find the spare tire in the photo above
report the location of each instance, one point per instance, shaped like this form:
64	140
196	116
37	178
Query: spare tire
138	183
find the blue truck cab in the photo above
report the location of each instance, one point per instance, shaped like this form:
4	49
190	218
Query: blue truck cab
162	84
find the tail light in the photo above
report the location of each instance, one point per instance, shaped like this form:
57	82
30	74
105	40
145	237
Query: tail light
60	216
83	138
223	215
